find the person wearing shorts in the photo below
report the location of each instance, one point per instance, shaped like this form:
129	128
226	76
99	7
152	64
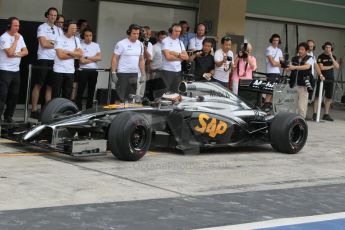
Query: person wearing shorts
327	63
47	35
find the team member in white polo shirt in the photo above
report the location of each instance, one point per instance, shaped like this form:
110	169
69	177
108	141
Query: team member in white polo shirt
12	49
273	57
174	53
223	59
67	49
91	55
196	42
47	35
127	61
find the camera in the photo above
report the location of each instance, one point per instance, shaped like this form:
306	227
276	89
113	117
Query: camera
285	63
229	58
190	53
243	53
308	84
142	39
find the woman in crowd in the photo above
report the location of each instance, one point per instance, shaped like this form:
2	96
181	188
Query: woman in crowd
88	64
244	65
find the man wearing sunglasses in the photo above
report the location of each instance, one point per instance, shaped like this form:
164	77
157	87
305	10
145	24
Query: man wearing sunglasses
47	34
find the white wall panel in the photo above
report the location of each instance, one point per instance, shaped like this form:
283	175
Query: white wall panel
114	19
28	10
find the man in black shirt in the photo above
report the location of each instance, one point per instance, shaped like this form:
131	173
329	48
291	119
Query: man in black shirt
327	63
204	61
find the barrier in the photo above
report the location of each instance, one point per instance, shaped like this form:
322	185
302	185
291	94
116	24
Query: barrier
319	102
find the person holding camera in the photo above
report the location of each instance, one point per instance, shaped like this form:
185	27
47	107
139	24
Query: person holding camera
174	53
223	58
196	42
204	61
67	49
244	65
127	60
12	49
274	57
301	74
327	63
88	63
47	34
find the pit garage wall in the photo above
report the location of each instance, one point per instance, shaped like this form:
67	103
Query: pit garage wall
114	19
27	10
318	12
31	15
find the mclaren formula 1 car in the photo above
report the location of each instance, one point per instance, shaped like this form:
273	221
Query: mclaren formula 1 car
202	115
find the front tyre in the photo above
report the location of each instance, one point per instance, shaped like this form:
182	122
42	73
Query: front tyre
129	136
58	108
288	133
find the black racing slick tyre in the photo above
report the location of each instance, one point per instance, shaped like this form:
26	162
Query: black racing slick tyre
58	108
288	132
129	136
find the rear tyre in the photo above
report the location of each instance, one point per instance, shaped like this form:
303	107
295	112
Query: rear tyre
288	132
129	136
58	108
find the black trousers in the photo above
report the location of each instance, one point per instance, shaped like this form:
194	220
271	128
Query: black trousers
9	92
84	78
62	85
126	85
171	80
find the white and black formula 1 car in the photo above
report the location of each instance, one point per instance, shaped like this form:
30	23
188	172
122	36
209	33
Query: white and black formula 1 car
202	115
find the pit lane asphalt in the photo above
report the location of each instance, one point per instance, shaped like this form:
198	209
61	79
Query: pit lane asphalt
169	190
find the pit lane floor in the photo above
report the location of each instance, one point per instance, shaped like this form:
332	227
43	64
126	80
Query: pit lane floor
169	190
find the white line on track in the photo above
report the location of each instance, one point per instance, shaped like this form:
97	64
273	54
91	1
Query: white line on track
281	222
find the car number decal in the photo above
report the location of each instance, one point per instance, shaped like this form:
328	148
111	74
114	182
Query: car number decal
209	125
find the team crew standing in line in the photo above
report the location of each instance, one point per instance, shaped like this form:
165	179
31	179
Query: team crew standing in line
126	62
91	55
47	35
12	49
67	49
174	53
196	42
